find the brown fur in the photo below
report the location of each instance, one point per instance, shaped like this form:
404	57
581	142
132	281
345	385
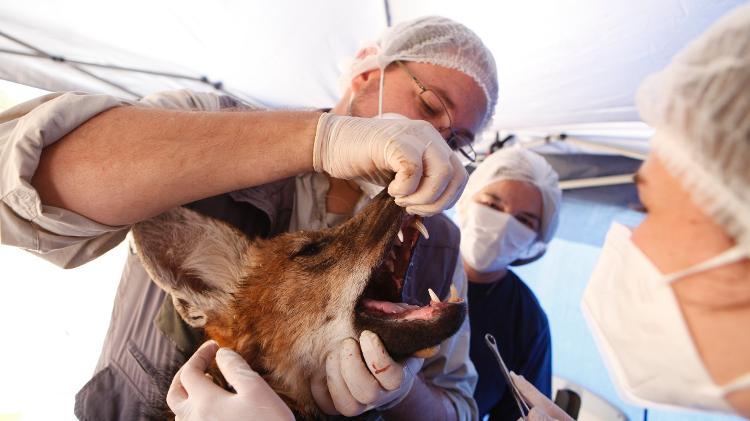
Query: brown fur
282	303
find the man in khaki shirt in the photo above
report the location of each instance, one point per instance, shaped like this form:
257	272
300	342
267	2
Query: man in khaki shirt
79	169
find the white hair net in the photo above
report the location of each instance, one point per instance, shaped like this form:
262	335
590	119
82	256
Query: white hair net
699	105
517	163
435	40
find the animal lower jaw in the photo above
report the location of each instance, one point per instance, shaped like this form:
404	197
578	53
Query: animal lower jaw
388	310
411	330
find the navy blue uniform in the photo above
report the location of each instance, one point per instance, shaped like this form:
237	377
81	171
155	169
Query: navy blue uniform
509	311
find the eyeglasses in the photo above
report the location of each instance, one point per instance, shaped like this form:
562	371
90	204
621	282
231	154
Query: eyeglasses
434	108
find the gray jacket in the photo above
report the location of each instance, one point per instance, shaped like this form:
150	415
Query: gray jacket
147	341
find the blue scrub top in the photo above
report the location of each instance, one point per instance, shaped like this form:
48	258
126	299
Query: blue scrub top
511	313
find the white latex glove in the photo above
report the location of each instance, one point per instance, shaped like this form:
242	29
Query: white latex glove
536	414
542	409
352	386
194	397
428	175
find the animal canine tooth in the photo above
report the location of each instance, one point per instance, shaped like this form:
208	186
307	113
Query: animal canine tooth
433	297
427	352
454	295
421	228
400	235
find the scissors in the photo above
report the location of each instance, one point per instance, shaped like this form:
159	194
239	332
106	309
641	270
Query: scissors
522	407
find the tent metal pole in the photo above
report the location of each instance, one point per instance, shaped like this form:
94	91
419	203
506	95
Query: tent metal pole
586	144
604	148
582	183
41	54
107	66
534	143
108	82
388	19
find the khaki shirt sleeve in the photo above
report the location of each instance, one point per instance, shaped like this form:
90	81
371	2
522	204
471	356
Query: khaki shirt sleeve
191	100
60	236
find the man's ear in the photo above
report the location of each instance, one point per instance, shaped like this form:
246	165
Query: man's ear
361	78
197	259
359	81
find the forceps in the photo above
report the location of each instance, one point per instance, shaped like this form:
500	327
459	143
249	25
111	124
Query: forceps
522	407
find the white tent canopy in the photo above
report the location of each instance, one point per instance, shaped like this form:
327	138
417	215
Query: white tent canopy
559	61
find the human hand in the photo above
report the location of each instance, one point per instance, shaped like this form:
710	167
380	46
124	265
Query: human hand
536	414
542	409
352	386
193	396
428	175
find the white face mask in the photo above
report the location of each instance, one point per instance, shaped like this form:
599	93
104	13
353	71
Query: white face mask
638	326
490	239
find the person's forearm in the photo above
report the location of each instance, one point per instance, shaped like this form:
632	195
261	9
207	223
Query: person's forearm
130	163
422	403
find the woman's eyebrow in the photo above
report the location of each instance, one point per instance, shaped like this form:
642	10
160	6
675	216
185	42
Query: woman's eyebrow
493	196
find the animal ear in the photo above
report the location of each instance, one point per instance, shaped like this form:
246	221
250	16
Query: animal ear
197	259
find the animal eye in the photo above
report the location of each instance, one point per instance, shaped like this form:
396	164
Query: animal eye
310	249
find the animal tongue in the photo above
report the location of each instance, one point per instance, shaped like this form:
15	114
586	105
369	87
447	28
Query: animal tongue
400	311
387	306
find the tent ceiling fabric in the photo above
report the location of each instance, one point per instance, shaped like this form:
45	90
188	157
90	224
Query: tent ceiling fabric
574	61
560	62
56	76
280	52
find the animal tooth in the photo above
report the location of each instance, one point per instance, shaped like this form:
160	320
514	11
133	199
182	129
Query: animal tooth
421	228
400	235
433	297
427	352
454	295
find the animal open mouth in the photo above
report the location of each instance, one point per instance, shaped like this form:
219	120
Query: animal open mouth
406	329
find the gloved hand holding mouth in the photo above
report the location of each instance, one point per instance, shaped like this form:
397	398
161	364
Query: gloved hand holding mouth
361	376
428	175
193	396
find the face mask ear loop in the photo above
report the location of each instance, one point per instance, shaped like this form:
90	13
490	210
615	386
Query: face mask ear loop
724	258
535	249
380	95
742	382
349	104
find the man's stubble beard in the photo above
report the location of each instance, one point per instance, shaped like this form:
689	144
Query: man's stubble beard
368	94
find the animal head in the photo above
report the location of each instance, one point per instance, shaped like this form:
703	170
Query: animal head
284	302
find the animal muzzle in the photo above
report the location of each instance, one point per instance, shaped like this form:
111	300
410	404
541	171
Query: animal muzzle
405	329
